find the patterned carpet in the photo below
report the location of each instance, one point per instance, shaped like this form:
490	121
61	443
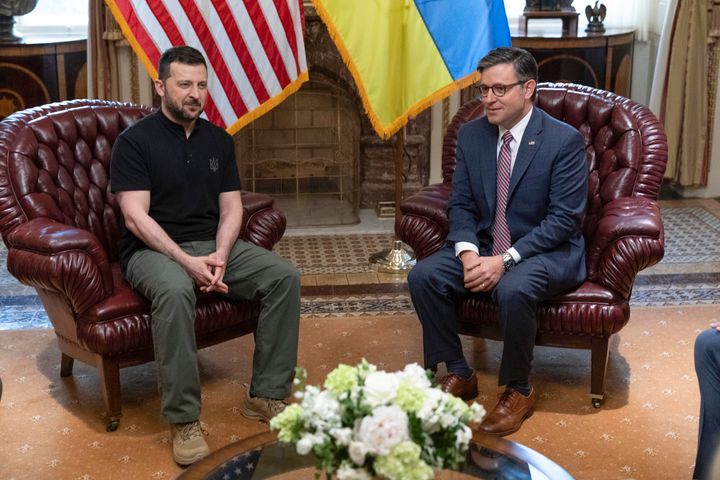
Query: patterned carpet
325	254
52	428
688	275
692	235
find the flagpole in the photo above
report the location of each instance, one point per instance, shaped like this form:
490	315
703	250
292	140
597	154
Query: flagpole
396	260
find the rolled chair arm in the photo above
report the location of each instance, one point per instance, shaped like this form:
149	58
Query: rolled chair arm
629	237
49	255
423	222
263	225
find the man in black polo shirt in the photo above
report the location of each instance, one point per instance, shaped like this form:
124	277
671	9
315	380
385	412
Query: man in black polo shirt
178	188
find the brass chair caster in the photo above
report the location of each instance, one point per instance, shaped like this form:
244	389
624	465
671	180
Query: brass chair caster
112	425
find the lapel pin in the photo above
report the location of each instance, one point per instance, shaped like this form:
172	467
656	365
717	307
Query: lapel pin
531	142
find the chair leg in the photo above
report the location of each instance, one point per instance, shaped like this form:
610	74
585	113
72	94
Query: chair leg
109	372
66	365
599	360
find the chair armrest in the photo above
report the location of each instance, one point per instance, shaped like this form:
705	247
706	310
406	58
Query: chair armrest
629	237
423	222
263	225
49	255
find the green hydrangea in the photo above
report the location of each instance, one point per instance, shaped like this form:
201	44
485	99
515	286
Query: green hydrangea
409	398
403	463
343	379
289	423
455	404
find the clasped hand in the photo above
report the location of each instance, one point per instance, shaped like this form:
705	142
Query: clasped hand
481	274
207	272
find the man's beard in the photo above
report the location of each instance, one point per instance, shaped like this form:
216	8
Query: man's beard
179	113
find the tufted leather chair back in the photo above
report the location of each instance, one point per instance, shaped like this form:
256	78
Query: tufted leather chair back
626	146
59	167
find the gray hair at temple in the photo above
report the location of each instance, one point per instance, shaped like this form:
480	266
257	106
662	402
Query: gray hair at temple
524	63
182	54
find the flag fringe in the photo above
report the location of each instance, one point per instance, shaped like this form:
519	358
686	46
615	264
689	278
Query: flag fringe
152	71
268	104
388	131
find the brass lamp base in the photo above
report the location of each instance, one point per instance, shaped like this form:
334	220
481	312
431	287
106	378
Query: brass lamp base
397	260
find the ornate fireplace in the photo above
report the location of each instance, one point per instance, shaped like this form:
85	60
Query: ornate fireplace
317	153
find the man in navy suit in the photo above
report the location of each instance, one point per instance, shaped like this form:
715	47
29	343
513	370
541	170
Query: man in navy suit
516	209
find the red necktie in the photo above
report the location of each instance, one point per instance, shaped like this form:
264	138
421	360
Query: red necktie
501	232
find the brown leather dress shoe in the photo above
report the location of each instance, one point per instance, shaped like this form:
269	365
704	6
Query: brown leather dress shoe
510	412
465	388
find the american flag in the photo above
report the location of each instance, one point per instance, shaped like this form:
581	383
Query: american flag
254	48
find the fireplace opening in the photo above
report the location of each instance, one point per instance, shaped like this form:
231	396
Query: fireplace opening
304	153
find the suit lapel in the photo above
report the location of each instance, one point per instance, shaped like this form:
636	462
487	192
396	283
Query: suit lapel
529	145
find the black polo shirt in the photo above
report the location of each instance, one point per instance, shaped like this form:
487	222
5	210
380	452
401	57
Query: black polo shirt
185	176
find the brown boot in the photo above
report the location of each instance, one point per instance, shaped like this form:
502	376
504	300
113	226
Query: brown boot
465	388
510	412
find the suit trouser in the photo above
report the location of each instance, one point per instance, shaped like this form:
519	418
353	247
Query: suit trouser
707	367
251	272
436	283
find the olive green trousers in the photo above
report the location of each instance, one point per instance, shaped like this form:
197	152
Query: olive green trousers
251	272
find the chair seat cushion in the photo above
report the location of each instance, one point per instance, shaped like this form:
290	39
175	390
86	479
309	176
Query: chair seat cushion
121	323
589	310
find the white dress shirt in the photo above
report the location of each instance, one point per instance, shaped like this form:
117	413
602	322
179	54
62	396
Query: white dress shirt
517	133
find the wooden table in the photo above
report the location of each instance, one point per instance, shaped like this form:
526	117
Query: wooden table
262	456
598	60
37	70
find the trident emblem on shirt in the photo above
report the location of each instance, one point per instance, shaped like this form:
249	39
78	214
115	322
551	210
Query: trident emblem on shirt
214	164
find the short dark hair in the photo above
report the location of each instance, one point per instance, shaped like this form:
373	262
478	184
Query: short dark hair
181	54
524	63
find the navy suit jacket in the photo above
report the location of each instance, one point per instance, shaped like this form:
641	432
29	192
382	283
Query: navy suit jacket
546	200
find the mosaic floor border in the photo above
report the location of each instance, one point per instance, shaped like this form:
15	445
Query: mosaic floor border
690	273
29	313
691	235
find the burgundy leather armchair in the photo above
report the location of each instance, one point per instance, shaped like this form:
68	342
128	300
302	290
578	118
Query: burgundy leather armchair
626	156
61	225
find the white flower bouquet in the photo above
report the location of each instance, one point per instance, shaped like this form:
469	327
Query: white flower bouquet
367	422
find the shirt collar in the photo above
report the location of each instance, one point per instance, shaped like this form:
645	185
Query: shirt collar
176	127
518	130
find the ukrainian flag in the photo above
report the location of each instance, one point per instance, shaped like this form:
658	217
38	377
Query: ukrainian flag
406	55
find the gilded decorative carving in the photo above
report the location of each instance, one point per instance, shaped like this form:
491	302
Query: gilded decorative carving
10	102
21	88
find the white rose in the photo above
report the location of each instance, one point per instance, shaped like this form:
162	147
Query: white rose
357	452
342	435
347	473
428	413
308	441
416	375
380	388
448	419
463	436
322	410
387	427
304	445
478	412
